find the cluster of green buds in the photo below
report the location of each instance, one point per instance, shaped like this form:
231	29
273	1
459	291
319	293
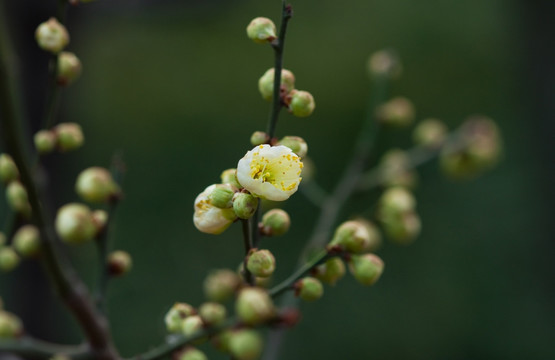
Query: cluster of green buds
64	137
398	216
16	194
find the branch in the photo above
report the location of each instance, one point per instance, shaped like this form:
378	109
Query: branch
247	241
33	348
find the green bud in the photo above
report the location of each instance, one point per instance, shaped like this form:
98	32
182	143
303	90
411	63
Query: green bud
259	138
397	112
96	185
69	68
275	222
70	136
10	325
175	316
402	228
430	133
192	325
395	169
119	263
221	285
356	236
222	196
259	281
261	263
221	340
366	268
8	259
26	240
74	224
330	271
254	306
45	141
245	344
384	63
296	144
261	30
212	313
52	36
8	169
100	219
244	205
266	84
229	177
2	243
396	200
191	353
17	198
302	103
309	288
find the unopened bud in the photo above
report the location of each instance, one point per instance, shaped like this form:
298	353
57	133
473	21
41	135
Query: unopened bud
221	285
398	112
330	271
355	236
261	30
222	196
96	185
394	166
8	259
384	63
119	263
275	222
175	316
245	344
396	200
402	228
366	268
430	133
52	36
17	198
10	325
69	68
296	144
69	136
254	306
309	289
100	219
74	224
191	353
192	325
302	103
244	205
259	138
8	169
45	141
212	313
262	282
266	83
229	177
261	263
26	240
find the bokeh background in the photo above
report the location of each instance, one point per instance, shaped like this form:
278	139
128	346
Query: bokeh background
172	85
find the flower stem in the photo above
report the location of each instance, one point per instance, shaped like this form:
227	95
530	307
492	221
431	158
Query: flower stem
247	241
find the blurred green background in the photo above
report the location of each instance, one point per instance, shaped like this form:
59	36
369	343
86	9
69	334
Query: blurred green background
173	86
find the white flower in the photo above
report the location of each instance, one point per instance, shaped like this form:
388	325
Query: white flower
208	218
270	172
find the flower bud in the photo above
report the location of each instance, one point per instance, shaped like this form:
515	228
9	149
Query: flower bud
244	205
275	222
366	268
212	313
266	83
309	289
262	282
330	271
394	166
229	176
384	63
356	236
245	344
208	218
45	141
261	30
221	340
222	196
402	228
119	263
96	185
52	36
175	316
191	353
26	240
430	133
191	325
74	224
396	200
17	198
397	112
100	219
259	138
10	325
302	103
69	136
69	68
296	144
8	169
221	285
8	259
261	263
254	306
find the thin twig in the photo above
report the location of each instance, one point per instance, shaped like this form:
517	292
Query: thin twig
247	242
33	348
